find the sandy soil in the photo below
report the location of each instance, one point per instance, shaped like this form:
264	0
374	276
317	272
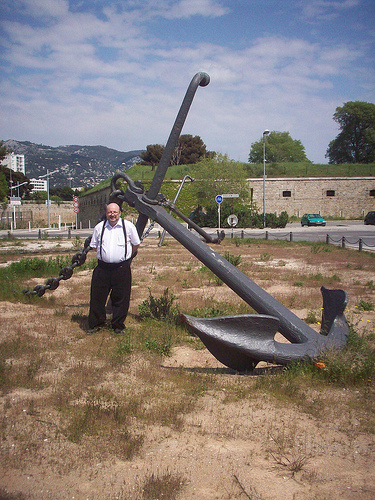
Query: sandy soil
227	447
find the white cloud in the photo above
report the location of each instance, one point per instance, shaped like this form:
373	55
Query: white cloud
187	8
326	10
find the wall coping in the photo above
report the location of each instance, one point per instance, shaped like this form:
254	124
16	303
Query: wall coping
278	179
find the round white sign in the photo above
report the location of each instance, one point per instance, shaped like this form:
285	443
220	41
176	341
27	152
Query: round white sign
232	220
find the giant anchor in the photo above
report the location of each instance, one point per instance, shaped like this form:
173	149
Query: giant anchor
238	342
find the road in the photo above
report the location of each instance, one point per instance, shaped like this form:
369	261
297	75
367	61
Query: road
352	231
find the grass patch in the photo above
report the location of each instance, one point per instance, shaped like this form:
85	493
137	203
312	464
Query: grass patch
14	276
165	485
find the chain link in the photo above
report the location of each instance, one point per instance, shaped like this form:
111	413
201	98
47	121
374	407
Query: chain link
66	273
148	231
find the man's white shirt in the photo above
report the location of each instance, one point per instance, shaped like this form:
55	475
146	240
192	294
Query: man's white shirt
113	243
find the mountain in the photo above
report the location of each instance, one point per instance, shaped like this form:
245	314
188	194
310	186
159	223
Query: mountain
77	166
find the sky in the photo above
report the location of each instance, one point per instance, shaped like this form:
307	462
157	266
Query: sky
114	72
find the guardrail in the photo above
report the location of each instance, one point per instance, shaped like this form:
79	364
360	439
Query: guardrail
343	241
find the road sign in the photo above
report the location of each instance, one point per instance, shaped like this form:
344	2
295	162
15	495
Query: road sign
230	195
15	200
219	199
76	210
75	198
76	204
232	220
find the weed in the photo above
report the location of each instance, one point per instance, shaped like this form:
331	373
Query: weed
124	346
128	445
311	318
292	463
99	412
161	344
265	257
77	243
159	308
235	260
163	485
352	366
365	306
318	247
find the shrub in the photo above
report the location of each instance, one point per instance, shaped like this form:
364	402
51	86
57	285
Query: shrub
159	308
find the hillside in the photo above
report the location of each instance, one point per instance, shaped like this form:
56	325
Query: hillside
77	165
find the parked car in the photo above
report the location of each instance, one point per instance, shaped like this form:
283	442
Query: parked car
312	220
370	218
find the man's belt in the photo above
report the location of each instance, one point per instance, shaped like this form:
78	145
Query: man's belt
110	266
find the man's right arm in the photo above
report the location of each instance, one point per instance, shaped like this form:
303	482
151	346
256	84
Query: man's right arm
95	237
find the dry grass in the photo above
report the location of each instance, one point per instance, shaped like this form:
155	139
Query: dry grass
105	416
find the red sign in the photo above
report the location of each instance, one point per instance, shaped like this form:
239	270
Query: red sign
76	210
75	198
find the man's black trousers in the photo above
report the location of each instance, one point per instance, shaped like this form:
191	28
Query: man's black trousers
113	279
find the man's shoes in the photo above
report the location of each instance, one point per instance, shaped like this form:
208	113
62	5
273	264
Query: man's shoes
90	331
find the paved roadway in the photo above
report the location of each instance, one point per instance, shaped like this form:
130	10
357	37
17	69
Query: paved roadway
352	231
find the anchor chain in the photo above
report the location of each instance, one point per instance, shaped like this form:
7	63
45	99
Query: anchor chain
79	258
66	272
148	230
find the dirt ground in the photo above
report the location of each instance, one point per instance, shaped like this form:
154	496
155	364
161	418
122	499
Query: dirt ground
231	445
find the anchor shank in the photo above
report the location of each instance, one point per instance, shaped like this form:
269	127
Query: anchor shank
200	79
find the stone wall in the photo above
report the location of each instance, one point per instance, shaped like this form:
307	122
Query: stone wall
37	213
348	197
92	207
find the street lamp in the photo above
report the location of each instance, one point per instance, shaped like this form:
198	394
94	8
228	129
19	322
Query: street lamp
18	186
174	204
266	132
48	174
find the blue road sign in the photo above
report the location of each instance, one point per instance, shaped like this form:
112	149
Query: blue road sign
219	199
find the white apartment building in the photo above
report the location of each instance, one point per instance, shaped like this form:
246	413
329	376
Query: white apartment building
39	185
15	162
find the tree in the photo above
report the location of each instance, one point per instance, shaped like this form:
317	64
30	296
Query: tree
219	175
65	193
152	155
3	188
17	178
356	141
280	147
3	151
189	150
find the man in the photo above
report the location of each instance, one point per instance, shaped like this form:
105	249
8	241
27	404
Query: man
116	242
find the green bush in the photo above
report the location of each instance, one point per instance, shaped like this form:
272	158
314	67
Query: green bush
159	308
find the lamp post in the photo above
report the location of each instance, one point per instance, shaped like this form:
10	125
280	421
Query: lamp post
48	174
174	203
266	132
18	187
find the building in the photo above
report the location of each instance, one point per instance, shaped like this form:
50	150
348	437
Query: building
39	185
346	197
15	162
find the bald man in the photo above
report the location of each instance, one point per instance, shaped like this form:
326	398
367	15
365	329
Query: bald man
116	242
